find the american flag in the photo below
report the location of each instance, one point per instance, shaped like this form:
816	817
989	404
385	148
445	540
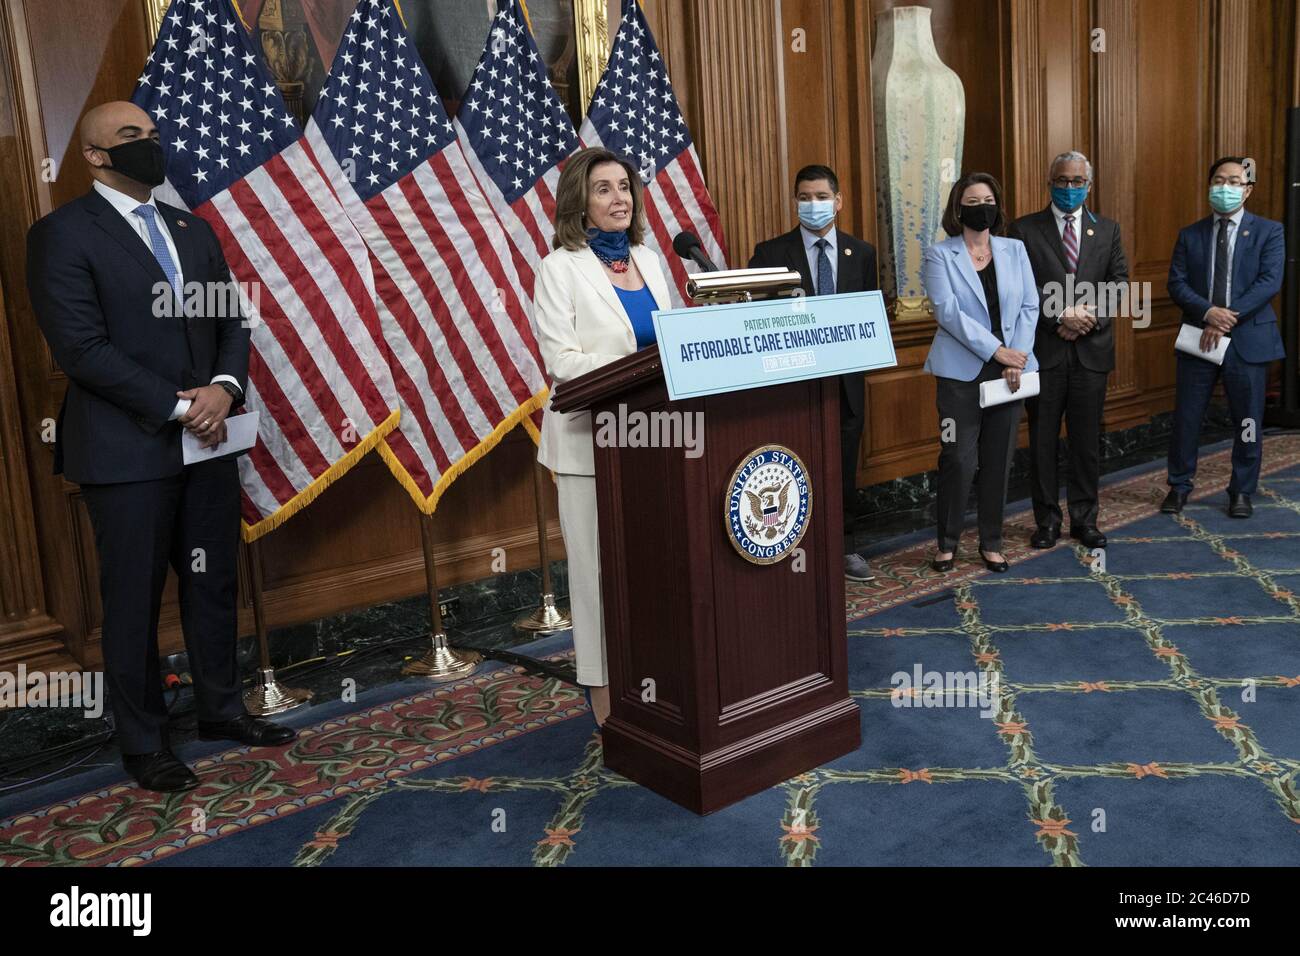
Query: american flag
516	133
634	113
235	157
462	350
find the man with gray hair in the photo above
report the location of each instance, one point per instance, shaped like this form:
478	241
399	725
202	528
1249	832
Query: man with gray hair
1077	259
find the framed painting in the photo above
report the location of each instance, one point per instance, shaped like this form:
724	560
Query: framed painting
299	37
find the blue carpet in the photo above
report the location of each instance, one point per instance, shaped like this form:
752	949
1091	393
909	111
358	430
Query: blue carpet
1147	714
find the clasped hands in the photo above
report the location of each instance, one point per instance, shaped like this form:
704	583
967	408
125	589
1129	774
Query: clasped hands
1218	323
1014	361
1076	321
206	416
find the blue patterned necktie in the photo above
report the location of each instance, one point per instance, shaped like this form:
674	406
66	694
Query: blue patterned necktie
159	246
825	277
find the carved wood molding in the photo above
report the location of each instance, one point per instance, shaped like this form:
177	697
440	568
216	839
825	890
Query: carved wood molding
1232	76
1115	134
591	26
1028	132
153	17
738	117
26	626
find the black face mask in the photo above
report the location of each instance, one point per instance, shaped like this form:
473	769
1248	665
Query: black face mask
138	159
980	216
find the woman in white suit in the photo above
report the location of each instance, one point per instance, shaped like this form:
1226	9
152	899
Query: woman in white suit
986	306
594	297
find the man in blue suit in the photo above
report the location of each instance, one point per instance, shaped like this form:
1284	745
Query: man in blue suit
1225	271
830	261
106	273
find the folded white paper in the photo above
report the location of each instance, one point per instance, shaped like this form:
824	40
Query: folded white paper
1189	341
241	434
997	392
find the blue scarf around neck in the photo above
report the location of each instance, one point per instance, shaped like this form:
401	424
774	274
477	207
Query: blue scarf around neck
608	245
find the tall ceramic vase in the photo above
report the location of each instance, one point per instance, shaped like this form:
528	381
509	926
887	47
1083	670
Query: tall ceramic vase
920	117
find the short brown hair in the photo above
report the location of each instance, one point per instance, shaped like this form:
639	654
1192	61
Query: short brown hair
952	225
571	198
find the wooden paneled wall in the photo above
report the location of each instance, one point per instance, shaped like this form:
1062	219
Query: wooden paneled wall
767	86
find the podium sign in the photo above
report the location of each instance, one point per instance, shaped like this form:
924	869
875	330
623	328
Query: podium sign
746	345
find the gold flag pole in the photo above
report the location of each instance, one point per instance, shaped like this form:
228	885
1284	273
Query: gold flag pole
268	696
441	662
547	617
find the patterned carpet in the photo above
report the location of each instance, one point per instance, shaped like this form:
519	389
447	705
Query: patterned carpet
1144	713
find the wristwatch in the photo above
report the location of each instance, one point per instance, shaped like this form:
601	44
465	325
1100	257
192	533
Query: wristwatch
236	396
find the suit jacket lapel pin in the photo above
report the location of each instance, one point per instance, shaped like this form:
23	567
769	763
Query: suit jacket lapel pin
848	252
181	223
1245	232
1091	233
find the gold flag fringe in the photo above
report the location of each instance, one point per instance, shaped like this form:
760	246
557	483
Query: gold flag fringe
309	494
427	505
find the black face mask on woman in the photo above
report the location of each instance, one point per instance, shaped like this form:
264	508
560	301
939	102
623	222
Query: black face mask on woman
138	159
980	216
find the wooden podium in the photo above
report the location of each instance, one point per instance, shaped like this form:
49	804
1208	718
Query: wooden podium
726	677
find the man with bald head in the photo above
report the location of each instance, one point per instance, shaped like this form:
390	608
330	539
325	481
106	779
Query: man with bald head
109	276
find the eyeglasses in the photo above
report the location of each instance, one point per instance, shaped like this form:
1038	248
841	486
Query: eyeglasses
1061	182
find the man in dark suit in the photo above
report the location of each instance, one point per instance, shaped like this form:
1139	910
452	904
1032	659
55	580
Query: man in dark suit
1078	260
829	261
1225	271
140	371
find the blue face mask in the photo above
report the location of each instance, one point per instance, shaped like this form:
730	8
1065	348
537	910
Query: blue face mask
1225	199
1069	198
608	245
817	214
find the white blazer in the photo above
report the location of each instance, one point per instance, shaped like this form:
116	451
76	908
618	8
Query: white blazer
581	325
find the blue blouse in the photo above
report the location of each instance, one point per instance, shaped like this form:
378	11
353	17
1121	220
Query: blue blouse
638	304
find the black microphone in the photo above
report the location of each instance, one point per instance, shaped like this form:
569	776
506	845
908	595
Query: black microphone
687	245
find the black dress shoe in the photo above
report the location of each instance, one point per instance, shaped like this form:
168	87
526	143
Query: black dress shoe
944	566
247	729
1090	536
1239	506
159	771
997	566
1173	503
1046	537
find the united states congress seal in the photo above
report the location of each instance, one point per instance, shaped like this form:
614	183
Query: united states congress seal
768	504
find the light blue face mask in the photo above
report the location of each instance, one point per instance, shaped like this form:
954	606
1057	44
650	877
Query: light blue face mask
817	214
1069	198
1225	199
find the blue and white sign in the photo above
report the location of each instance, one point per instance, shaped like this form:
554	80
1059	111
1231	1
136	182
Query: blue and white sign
768	504
726	348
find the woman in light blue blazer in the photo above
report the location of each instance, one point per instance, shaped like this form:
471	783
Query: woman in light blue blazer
986	304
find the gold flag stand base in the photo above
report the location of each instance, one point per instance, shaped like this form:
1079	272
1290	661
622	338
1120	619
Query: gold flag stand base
443	662
545	619
268	696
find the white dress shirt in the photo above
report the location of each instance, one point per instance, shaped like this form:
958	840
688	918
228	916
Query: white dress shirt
126	206
1235	228
810	240
1060	221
